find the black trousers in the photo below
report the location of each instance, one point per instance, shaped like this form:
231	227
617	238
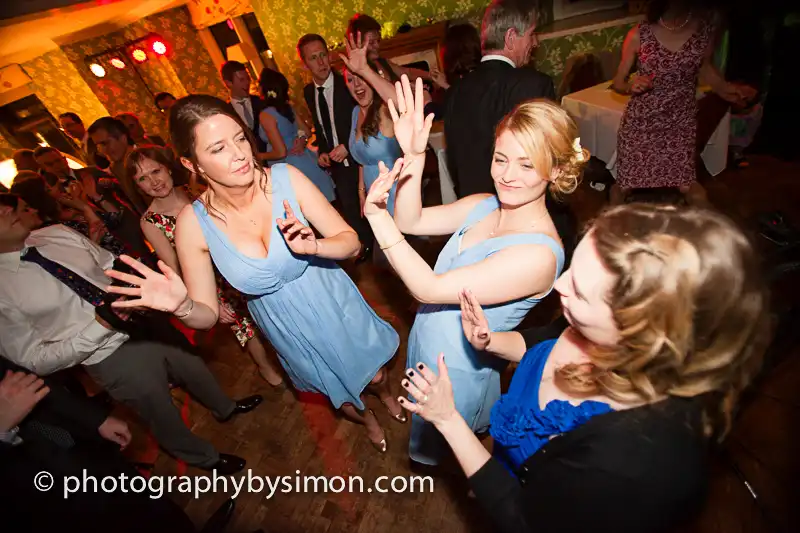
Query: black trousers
28	510
346	181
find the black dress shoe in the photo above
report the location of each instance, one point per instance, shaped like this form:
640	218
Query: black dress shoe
244	406
220	519
227	464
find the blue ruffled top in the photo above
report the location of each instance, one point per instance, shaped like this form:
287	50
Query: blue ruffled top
519	427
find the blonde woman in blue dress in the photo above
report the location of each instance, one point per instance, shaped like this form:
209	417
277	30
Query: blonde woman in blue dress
504	248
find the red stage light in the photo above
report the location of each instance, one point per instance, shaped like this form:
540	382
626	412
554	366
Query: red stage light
117	63
139	55
159	47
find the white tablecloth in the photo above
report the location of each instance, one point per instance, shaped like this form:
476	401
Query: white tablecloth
598	112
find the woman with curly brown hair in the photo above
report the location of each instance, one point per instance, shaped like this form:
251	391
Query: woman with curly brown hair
606	428
503	246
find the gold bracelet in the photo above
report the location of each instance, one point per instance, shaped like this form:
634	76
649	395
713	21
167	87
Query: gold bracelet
395	244
187	313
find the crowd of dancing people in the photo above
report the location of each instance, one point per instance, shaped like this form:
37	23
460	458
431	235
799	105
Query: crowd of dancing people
234	219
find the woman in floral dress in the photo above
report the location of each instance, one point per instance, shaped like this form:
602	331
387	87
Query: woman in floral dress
152	169
656	143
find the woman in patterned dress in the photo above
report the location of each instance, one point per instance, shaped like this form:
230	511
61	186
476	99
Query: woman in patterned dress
152	169
656	139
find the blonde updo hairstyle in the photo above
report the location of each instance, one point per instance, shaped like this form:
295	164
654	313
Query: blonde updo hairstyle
547	134
690	305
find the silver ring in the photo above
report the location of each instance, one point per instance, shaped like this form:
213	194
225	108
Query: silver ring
425	398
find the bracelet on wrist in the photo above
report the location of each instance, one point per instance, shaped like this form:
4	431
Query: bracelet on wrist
392	245
187	313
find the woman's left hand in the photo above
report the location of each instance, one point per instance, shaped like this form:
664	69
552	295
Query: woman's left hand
411	126
738	94
433	394
356	58
299	238
378	194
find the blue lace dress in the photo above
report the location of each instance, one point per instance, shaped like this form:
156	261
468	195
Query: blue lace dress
519	426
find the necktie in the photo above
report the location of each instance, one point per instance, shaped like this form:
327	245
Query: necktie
248	116
83	288
325	113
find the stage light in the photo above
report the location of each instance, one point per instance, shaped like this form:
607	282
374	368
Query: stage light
139	55
97	69
159	47
117	63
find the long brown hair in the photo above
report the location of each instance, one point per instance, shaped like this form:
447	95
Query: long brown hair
690	305
186	115
371	126
159	154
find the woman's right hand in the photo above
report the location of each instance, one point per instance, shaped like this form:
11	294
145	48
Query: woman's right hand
160	291
473	321
641	84
411	126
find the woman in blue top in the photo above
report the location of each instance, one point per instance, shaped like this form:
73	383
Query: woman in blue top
253	225
372	139
504	247
278	128
607	427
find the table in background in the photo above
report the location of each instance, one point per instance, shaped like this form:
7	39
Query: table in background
598	112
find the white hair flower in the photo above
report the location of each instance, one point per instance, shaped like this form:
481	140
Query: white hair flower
272	94
576	145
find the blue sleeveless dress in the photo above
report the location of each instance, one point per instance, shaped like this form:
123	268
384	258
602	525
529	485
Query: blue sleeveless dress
519	426
305	162
371	151
328	339
437	329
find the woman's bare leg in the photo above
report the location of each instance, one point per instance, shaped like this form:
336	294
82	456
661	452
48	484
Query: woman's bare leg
379	386
265	367
366	418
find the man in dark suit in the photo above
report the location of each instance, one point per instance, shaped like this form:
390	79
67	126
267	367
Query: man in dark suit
248	106
476	104
331	106
49	434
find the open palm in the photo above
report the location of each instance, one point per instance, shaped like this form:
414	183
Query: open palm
162	291
473	321
378	194
355	58
411	127
299	238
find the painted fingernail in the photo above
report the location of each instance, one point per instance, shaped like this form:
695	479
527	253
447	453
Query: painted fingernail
410	372
401	400
420	366
405	383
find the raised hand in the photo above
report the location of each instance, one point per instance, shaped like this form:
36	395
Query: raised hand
411	127
356	58
433	394
473	321
299	238
378	194
160	291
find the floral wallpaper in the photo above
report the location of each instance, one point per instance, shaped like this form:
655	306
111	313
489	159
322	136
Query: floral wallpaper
552	54
285	21
206	13
58	84
187	68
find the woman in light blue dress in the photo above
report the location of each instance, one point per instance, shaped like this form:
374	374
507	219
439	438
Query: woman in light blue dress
285	143
253	225
504	248
371	135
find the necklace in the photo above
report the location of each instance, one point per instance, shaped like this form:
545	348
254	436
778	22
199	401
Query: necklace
497	226
675	28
